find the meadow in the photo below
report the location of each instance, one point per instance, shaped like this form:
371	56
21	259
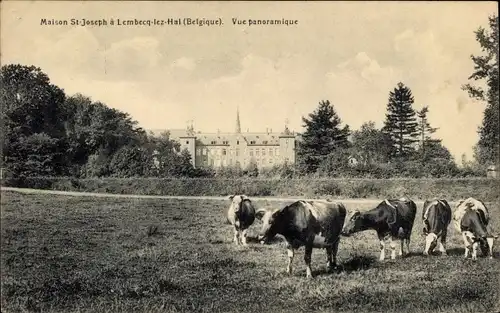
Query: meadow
86	254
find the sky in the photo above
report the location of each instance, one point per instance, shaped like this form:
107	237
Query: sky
350	53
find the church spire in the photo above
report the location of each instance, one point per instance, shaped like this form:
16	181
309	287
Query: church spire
238	126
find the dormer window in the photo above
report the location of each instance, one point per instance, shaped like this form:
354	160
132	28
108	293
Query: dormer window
252	142
213	142
225	142
265	142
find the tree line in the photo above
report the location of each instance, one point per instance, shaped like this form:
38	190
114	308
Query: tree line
48	133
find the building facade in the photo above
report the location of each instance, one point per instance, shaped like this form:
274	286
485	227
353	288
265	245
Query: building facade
265	149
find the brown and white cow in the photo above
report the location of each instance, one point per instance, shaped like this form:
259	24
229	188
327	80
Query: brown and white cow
391	219
241	214
436	217
305	223
471	218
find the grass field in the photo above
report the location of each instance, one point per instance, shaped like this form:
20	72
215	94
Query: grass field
84	254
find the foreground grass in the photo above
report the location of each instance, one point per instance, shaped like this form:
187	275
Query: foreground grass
70	254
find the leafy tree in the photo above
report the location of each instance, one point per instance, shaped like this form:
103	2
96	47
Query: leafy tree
370	144
486	70
32	117
252	169
184	166
435	150
400	122
131	161
35	155
94	128
322	136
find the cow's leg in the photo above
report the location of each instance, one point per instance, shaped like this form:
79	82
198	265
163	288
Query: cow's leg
382	247
244	237
334	253
490	246
466	244
307	259
474	250
401	244
442	243
236	233
392	244
407	240
429	240
329	252
290	252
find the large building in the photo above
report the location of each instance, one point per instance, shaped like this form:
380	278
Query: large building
266	149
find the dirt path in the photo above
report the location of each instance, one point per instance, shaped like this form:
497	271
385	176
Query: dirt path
110	195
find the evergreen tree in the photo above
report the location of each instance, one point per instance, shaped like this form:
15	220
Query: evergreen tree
425	129
323	135
486	69
400	123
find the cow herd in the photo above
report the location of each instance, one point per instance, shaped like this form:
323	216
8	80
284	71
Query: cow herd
321	223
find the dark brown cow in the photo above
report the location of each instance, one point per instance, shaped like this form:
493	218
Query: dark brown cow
436	217
305	223
391	219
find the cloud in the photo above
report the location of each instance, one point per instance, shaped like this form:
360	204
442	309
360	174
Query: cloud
184	63
361	84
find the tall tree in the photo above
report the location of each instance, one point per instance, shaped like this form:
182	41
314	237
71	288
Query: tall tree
425	129
486	70
32	122
400	122
322	136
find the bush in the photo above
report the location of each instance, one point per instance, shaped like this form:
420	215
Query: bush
486	189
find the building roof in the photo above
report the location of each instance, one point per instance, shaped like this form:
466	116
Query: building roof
254	138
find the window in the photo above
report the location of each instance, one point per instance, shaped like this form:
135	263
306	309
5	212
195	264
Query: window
270	151
277	151
237	142
225	142
263	151
252	142
257	152
265	142
237	152
250	152
198	151
223	151
270	160
204	151
212	142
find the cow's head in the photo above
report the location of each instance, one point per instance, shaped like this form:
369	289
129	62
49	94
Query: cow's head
236	202
353	224
272	223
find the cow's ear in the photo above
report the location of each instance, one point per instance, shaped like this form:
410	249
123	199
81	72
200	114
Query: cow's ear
356	214
230	197
260	213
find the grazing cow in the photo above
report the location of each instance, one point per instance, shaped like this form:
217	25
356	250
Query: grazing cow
436	216
471	218
391	219
305	223
241	215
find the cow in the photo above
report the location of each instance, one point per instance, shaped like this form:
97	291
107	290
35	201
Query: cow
471	218
305	223
436	217
241	215
391	219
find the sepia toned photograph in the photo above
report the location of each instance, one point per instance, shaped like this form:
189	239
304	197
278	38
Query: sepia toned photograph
249	156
